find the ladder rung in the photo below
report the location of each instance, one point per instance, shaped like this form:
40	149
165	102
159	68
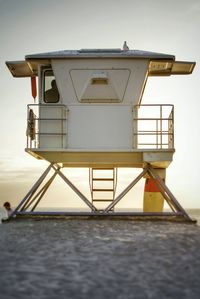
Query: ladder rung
102	200
100	176
103	190
102	179
98	168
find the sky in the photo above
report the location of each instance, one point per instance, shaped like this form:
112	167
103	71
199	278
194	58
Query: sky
172	27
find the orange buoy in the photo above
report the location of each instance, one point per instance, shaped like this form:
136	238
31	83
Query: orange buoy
153	200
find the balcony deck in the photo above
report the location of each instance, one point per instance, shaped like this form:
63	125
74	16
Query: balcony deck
152	139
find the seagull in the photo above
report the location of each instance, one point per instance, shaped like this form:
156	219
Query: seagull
125	47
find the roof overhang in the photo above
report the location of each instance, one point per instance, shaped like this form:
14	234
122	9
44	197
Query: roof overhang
159	64
23	68
167	68
100	53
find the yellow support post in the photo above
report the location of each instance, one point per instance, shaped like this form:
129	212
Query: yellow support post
153	200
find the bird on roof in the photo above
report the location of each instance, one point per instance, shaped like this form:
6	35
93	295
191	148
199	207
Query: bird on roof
125	47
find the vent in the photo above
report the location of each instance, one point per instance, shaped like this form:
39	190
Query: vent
100	86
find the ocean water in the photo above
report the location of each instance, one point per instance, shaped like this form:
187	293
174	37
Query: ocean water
99	259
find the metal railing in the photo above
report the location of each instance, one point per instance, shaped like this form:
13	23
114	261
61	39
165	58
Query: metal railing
36	119
153	126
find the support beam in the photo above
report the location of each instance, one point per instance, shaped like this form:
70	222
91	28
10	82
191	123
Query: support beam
128	188
30	202
103	214
164	194
73	187
33	200
32	190
167	192
44	190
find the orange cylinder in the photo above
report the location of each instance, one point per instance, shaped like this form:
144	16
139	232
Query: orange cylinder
153	200
33	87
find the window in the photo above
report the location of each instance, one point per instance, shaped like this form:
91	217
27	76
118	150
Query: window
51	94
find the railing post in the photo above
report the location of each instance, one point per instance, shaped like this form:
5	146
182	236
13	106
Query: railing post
157	135
161	127
135	127
173	127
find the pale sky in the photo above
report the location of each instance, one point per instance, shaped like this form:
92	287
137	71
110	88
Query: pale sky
171	27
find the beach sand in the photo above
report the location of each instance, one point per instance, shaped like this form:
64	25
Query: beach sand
99	259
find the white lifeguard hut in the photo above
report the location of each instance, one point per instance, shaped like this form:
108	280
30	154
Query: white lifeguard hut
89	113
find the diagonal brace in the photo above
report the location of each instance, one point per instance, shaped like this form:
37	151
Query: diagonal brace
40	194
166	192
126	190
29	195
75	189
43	191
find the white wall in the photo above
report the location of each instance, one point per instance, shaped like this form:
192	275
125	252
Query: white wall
106	126
100	127
71	84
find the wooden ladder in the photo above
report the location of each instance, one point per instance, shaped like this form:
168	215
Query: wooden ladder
103	183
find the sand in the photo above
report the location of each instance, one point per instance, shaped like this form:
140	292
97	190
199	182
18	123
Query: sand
99	259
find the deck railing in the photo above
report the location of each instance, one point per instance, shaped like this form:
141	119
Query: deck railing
37	123
153	126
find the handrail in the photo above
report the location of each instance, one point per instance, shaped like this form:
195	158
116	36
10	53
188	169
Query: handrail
35	119
153	126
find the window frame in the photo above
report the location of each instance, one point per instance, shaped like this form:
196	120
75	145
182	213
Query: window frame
44	70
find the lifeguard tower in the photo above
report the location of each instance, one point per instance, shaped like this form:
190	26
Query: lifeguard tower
89	113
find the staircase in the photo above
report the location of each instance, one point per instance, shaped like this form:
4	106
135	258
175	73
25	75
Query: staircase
103	182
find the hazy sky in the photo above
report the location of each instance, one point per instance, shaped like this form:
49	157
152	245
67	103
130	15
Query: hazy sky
172	27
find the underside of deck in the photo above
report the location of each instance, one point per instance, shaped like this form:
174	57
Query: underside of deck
135	158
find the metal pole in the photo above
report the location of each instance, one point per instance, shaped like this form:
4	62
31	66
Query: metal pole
165	195
166	189
135	127
161	127
173	127
30	199
129	187
28	204
32	190
81	195
44	190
